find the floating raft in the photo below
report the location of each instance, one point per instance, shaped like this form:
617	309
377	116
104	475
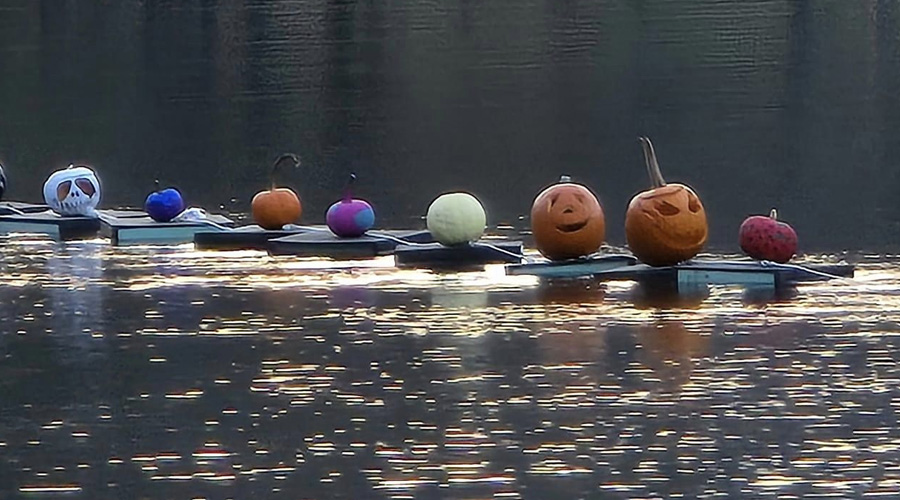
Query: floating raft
689	275
435	255
52	224
128	228
573	268
246	237
18	207
327	245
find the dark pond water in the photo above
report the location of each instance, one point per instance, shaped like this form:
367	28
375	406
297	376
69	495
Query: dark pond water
170	373
788	103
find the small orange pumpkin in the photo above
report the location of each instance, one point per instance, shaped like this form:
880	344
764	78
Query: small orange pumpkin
666	224
567	221
275	207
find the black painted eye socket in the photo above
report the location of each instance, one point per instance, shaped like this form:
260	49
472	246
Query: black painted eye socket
62	190
86	186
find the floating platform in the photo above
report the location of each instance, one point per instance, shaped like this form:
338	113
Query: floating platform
689	275
327	245
573	268
52	224
437	256
128	228
246	237
20	208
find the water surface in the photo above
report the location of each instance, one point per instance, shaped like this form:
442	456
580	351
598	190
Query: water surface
183	374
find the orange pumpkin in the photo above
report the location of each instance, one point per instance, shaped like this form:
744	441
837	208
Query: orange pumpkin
567	221
666	224
275	207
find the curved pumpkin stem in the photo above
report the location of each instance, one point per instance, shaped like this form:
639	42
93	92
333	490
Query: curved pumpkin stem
773	214
348	192
656	178
278	161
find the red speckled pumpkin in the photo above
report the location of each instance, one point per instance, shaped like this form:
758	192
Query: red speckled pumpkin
666	224
275	207
767	238
567	221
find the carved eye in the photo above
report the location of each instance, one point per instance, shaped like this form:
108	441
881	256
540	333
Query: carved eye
86	186
62	189
667	209
693	203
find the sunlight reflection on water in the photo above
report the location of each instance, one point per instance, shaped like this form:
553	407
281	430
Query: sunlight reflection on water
171	372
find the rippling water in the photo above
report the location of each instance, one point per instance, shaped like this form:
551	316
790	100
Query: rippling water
171	373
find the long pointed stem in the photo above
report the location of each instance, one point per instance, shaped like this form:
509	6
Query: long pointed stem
656	178
287	156
348	193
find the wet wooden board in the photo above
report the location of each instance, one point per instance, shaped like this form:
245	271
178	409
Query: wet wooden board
435	255
56	226
246	238
327	245
18	207
129	229
721	272
573	268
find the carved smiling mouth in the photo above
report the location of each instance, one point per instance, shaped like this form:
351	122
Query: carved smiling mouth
571	228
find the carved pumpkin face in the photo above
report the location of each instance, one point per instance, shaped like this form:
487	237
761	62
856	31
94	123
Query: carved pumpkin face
72	191
667	224
567	222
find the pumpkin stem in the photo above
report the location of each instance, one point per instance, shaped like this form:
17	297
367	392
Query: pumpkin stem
156	184
278	161
773	214
348	193
656	178
565	178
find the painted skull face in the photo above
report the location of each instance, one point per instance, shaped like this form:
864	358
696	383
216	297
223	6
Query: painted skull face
73	191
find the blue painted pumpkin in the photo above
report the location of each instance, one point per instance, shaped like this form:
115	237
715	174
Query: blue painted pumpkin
164	205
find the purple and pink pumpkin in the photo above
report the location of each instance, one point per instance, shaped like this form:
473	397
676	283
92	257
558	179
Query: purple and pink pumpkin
767	238
350	217
164	205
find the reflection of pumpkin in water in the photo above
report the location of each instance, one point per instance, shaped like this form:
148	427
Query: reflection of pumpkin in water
670	350
571	291
668	296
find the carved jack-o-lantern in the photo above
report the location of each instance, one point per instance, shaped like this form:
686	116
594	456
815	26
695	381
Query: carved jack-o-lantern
73	191
664	225
567	221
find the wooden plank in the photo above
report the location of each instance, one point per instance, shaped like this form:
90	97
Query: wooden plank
435	255
56	226
572	268
250	237
19	207
327	245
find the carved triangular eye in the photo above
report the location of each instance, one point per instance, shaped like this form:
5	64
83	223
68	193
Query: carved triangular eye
666	208
86	186
693	204
62	189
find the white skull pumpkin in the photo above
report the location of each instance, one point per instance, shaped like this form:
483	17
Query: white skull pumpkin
73	191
